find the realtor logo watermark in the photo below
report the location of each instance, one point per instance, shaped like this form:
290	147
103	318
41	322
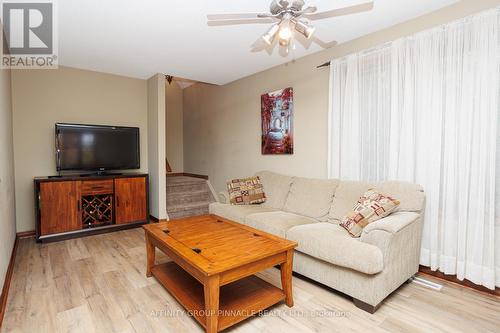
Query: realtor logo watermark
30	35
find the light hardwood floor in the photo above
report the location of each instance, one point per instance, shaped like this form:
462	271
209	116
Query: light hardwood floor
98	284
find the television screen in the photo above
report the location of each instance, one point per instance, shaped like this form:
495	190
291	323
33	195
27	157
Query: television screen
91	147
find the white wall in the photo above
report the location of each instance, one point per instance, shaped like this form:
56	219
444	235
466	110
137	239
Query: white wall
156	147
222	126
42	98
175	141
7	200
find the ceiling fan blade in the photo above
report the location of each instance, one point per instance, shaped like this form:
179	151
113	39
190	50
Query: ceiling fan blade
242	21
323	44
364	7
307	42
309	10
214	17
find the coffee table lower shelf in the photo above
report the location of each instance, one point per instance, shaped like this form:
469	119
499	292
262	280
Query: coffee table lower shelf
238	300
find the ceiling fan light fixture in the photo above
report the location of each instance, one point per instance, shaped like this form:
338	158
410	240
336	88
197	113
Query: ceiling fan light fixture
285	32
305	29
284	42
269	36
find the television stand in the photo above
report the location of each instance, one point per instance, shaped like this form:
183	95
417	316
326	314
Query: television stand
71	206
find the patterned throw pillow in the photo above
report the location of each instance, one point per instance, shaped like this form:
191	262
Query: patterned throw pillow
372	206
246	191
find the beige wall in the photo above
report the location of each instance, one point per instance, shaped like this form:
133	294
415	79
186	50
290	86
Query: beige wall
156	147
43	97
175	140
7	202
222	123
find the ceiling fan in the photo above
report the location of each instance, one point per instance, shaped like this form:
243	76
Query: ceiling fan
287	16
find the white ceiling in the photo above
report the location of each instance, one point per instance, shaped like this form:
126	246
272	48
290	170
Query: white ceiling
142	37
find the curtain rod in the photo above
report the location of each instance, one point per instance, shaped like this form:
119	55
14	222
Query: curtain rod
326	64
362	53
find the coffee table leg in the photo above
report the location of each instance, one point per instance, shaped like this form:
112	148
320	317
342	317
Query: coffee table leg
286	278
211	289
150	251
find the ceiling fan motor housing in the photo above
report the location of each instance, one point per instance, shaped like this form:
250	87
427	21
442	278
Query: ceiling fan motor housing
297	5
281	6
275	8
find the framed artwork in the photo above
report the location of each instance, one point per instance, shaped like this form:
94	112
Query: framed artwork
277	122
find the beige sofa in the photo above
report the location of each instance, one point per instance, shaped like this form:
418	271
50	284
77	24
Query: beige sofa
308	211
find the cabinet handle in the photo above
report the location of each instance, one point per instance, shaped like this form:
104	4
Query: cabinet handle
78	204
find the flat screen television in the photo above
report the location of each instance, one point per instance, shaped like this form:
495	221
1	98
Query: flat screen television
96	148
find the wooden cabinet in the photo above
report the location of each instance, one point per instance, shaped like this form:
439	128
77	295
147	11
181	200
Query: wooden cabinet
68	207
59	207
130	200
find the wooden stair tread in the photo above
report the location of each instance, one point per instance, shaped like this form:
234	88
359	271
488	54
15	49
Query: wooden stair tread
204	191
184	180
188	206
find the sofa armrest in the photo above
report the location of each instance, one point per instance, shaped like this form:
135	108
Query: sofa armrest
223	197
397	236
392	223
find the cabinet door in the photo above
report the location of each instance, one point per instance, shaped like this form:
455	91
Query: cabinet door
59	207
130	199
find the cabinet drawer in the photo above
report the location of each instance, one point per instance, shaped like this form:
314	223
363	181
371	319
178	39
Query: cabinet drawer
97	186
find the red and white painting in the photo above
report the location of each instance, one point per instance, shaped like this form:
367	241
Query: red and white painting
277	122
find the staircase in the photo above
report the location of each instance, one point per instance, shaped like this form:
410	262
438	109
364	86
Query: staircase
187	196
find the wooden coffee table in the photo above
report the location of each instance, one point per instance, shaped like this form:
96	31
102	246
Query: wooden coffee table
213	267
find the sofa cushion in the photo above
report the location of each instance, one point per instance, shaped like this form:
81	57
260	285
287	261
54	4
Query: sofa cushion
276	223
332	243
411	196
370	207
247	191
276	188
236	213
311	197
346	194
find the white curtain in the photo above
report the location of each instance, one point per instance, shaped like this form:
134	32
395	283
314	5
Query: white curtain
425	109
